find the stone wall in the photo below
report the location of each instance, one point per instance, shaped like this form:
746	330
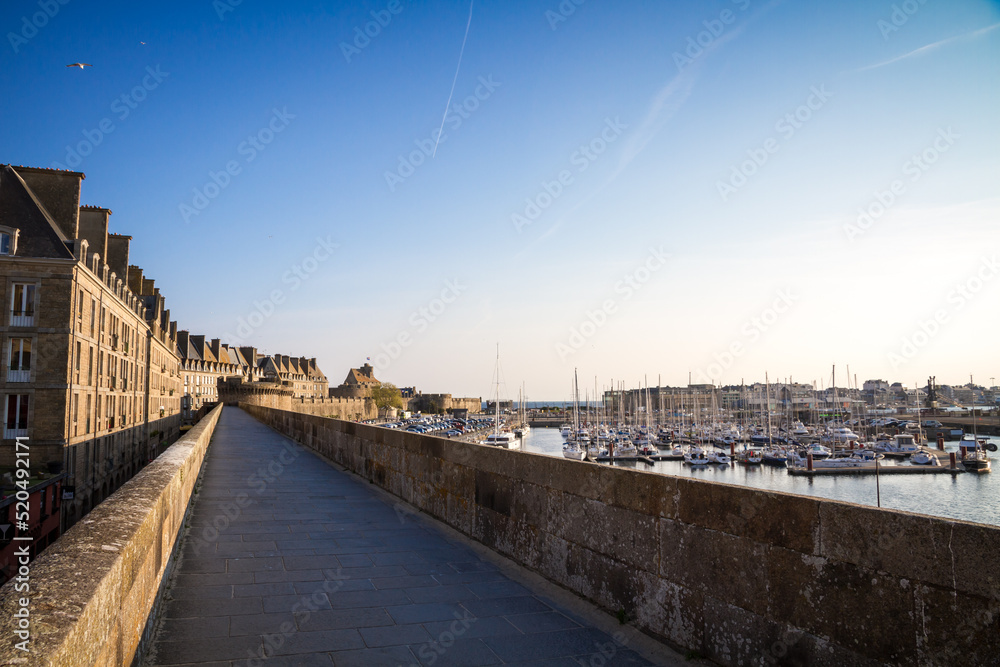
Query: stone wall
92	592
340	408
740	575
234	391
444	402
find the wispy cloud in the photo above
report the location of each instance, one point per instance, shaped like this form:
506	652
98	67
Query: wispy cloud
931	47
663	106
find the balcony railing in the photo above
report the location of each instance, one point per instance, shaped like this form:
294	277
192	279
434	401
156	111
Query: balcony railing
21	319
11	433
18	376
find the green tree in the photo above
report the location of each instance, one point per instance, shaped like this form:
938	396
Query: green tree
387	395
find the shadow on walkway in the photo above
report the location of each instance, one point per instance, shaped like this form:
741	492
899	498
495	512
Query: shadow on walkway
287	560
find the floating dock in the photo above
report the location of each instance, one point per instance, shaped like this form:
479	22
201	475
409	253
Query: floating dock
607	459
882	470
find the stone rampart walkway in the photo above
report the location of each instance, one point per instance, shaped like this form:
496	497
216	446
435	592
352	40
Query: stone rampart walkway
288	560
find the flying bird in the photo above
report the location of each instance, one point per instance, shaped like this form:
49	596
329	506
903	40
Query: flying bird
80	65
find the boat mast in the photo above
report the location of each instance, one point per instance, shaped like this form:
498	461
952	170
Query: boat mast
496	429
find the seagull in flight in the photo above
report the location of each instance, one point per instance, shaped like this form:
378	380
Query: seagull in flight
80	65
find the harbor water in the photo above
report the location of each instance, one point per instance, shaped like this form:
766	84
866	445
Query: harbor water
966	496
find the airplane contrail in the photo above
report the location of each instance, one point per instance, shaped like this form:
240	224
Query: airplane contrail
453	81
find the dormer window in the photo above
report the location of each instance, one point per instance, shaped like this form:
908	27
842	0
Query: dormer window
8	240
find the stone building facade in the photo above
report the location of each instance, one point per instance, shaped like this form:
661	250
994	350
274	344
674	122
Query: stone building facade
302	375
205	363
90	372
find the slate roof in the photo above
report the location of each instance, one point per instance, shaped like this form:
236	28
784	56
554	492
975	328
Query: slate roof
20	208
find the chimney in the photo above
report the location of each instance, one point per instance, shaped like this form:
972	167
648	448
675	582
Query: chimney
182	343
216	349
118	255
135	280
198	341
59	192
93	226
250	354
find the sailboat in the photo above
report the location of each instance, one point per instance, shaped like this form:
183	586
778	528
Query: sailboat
501	438
973	451
522	428
573	448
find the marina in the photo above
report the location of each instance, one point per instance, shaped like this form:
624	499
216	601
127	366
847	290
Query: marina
932	490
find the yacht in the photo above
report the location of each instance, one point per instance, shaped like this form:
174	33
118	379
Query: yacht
504	439
856	460
718	458
799	430
923	458
574	450
774	457
841	433
624	447
973	453
901	443
818	451
695	456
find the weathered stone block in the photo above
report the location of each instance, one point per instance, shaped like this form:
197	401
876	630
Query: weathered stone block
621	534
780	519
862	611
718	564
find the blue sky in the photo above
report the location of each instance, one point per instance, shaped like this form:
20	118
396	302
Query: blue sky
636	189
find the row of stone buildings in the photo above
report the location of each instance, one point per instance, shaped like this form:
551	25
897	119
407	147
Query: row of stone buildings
205	362
96	376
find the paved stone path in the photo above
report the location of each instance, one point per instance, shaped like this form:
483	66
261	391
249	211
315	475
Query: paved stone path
288	560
